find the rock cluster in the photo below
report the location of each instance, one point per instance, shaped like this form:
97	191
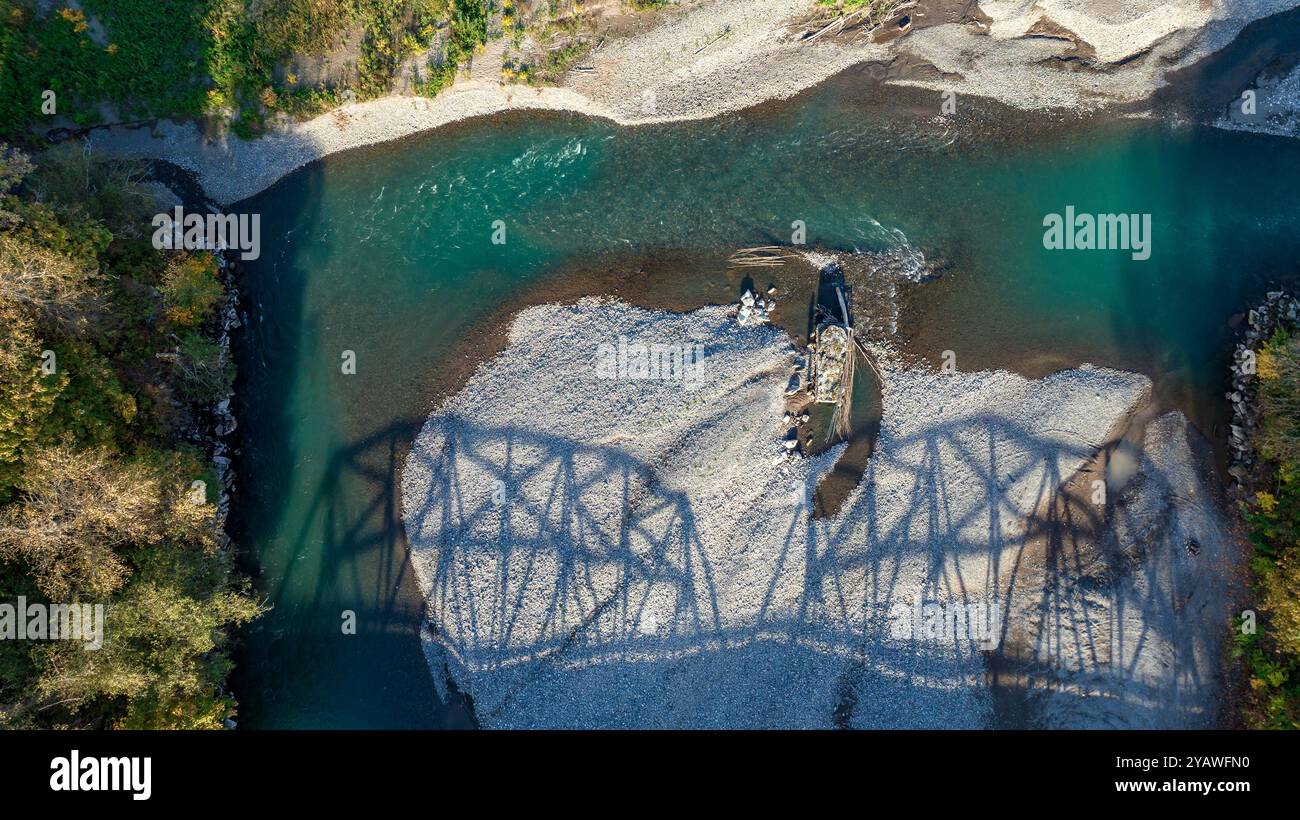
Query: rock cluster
754	311
224	417
790	424
1278	308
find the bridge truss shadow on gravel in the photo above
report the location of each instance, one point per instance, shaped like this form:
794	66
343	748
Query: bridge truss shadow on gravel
538	584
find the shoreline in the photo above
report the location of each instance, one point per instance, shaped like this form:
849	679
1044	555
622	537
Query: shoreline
653	78
642	80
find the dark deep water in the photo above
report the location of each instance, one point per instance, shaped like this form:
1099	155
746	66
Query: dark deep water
387	252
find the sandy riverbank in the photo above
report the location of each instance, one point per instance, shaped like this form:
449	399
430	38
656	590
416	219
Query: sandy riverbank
644	562
726	55
660	75
1078	54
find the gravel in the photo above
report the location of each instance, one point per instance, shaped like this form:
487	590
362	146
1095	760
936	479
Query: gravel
1078	54
1139	646
646	559
722	56
1277	107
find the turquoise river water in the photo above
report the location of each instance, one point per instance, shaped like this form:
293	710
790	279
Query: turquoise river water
387	252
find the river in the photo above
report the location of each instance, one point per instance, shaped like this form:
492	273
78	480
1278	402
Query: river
388	253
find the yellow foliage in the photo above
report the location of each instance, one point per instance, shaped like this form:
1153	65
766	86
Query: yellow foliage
1266	365
1281	603
190	288
76	17
1266	501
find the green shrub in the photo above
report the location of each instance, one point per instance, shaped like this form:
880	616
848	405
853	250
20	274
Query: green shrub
204	374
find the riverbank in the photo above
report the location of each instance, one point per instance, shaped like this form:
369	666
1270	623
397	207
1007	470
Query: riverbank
116	364
718	57
1264	434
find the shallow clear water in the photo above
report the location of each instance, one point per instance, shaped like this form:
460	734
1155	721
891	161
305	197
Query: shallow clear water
387	252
